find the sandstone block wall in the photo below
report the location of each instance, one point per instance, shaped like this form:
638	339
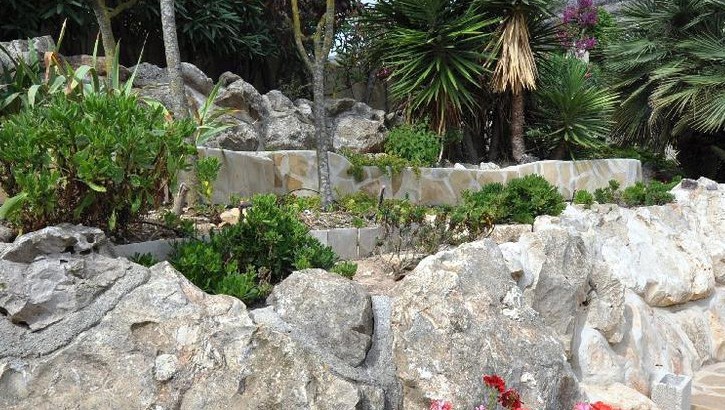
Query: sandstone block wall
247	173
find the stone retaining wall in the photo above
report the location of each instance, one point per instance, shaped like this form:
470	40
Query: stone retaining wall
247	173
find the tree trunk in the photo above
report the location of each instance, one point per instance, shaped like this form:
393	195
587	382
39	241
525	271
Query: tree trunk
518	147
559	152
321	134
178	95
103	17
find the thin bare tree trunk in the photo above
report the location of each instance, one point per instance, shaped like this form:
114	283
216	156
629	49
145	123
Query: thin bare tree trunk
321	134
322	43
518	147
178	95
103	17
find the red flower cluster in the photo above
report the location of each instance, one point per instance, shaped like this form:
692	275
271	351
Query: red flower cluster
510	399
601	406
495	381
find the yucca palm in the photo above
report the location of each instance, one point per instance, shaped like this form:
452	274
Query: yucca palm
572	111
515	69
671	70
435	50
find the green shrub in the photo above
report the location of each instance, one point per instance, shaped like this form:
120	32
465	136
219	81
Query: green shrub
414	143
655	193
389	164
531	196
520	201
264	248
583	197
102	161
345	268
608	195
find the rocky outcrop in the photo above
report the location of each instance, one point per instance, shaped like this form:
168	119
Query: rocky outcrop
550	311
652	296
24	49
458	316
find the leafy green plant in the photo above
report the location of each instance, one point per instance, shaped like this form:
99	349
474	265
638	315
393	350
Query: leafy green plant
387	163
345	268
415	143
145	259
270	242
101	161
207	170
531	196
575	112
609	194
520	201
654	193
583	197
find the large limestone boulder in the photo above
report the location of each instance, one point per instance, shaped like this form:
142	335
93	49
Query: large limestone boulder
80	326
359	128
459	315
311	300
672	264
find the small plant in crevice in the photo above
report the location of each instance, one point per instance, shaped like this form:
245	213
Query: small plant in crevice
207	171
583	197
144	259
345	268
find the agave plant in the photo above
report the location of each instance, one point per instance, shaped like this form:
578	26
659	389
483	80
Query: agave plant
570	107
434	50
671	68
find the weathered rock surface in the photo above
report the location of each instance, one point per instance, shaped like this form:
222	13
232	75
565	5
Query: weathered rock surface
458	316
23	49
311	300
652	302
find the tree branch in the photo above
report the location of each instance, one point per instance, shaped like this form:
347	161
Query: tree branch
121	8
298	35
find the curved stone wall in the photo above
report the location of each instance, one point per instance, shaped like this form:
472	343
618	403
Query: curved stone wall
247	173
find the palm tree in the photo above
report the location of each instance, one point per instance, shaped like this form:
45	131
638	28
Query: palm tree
433	50
515	70
671	68
571	109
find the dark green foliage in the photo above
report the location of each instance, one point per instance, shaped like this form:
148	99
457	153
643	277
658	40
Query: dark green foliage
671	68
434	50
263	249
570	109
583	197
639	194
346	269
520	201
531	196
655	193
609	194
415	143
102	161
